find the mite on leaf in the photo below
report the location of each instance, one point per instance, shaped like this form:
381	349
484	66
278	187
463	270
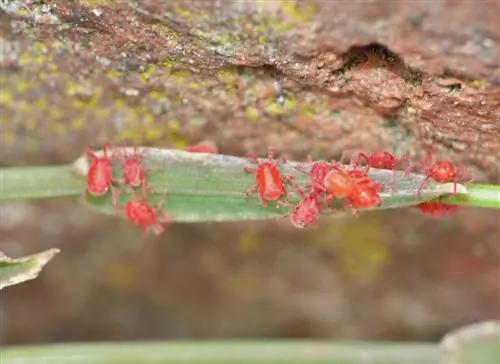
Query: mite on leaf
100	173
379	160
441	171
269	182
141	214
436	209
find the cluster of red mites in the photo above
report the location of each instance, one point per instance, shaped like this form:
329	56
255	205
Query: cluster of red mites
327	181
100	180
331	180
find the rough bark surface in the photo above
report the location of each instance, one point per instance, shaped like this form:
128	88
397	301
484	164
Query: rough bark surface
308	77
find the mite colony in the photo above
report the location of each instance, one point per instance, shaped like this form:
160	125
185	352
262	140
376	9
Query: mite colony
328	181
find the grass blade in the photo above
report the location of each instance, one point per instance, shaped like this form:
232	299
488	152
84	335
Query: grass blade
478	195
17	270
473	344
209	187
31	183
226	352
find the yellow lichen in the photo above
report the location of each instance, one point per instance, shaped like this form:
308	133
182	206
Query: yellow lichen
78	122
23	86
297	14
5	97
252	114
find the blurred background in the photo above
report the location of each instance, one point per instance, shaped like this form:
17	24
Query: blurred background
306	77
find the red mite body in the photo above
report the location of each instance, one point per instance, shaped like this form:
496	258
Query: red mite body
441	171
141	214
269	181
133	173
318	172
339	182
381	160
306	213
436	209
356	186
100	173
365	194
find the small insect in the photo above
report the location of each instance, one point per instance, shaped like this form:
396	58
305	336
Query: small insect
202	147
141	214
133	173
270	183
441	171
436	209
100	173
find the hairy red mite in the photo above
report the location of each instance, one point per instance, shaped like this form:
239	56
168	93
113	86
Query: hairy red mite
441	171
436	209
100	173
269	181
317	173
380	159
339	183
202	147
141	214
365	195
306	212
133	173
356	186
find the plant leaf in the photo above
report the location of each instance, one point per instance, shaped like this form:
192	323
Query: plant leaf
227	352
473	344
18	270
209	187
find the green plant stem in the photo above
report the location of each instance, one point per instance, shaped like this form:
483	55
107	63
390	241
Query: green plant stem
209	187
234	352
478	195
30	183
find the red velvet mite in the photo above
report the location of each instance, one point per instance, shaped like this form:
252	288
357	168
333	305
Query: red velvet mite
269	181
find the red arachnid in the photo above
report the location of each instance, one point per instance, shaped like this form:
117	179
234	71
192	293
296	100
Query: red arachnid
380	159
436	209
306	212
441	171
317	173
270	183
100	173
133	173
355	186
141	214
339	183
366	193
